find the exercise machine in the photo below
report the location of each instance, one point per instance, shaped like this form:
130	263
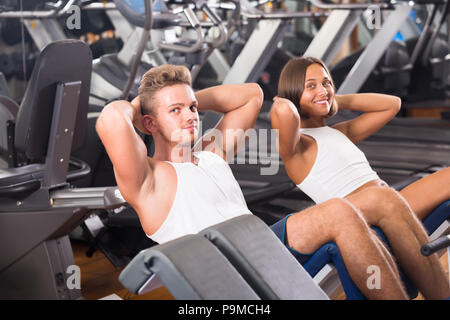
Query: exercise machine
38	206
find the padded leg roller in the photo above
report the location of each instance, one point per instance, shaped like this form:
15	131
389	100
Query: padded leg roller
191	268
261	258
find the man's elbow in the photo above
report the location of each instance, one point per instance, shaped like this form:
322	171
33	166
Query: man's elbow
108	115
102	119
100	124
257	96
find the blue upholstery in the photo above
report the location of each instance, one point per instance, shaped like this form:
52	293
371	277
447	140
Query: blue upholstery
437	217
329	253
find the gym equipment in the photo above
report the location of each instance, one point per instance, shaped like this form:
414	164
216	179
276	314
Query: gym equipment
114	75
435	245
430	56
38	207
111	72
8	112
191	267
415	70
396	69
391	75
262	259
4	91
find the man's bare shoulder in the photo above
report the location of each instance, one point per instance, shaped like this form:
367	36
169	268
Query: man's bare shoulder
155	201
163	175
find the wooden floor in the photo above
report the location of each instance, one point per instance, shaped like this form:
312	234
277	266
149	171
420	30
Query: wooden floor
99	278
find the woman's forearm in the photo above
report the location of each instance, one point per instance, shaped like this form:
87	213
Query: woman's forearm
369	102
286	119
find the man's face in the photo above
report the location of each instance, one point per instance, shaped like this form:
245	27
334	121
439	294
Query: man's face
176	117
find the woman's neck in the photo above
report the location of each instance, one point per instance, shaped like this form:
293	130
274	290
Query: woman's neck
313	122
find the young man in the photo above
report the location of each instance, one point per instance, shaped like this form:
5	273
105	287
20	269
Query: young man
177	192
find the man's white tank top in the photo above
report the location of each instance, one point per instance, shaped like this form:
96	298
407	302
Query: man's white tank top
206	194
340	167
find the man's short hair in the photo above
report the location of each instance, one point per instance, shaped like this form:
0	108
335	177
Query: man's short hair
157	78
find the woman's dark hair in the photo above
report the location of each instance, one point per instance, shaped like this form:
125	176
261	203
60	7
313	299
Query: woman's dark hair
292	82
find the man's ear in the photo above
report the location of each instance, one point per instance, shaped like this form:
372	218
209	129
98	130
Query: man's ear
149	123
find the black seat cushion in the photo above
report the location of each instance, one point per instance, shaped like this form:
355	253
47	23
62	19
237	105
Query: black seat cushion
60	61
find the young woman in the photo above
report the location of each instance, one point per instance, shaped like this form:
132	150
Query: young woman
325	163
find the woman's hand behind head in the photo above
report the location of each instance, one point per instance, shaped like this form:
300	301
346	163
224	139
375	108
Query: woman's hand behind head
284	109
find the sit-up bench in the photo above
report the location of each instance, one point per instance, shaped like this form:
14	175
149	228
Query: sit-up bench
190	267
237	259
261	258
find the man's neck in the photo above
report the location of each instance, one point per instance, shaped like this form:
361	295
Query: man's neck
173	153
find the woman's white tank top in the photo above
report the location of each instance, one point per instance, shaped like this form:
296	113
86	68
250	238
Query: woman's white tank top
340	167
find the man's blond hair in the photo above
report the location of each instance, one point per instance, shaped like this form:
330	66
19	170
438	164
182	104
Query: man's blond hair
157	78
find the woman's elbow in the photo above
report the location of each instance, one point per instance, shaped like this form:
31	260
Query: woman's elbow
396	104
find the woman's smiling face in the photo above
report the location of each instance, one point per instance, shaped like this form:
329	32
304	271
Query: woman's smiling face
318	93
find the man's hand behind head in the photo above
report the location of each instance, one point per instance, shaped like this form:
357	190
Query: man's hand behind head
138	119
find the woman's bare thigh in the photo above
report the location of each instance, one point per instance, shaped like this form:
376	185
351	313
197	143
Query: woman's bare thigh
427	193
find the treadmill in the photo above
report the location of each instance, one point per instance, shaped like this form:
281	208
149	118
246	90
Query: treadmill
404	130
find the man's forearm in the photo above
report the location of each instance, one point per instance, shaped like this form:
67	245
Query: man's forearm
114	115
129	112
122	109
226	98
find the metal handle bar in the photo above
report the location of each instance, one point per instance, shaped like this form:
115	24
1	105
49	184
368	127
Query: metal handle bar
58	11
436	245
351	6
250	12
223	33
193	21
143	41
